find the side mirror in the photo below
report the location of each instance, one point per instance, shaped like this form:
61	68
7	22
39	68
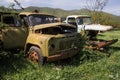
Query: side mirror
83	27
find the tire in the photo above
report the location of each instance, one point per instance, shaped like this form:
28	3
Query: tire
36	55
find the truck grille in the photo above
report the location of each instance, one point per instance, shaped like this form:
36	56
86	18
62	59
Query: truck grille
60	44
67	44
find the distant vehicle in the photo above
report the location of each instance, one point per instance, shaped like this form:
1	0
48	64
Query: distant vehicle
84	23
41	38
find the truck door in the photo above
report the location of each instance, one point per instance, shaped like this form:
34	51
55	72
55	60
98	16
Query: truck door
14	35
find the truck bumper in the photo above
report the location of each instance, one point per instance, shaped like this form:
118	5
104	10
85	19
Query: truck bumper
62	55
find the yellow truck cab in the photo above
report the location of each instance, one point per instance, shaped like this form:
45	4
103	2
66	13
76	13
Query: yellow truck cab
41	38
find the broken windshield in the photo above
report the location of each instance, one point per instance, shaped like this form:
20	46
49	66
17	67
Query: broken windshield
36	19
84	20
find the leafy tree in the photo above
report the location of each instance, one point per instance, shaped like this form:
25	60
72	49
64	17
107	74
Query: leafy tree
95	8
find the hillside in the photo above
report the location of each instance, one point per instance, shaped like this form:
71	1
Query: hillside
59	12
56	11
106	18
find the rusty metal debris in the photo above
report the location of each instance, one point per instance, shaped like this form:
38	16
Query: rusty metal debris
100	44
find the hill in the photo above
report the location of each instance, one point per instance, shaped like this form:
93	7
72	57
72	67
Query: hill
106	18
56	11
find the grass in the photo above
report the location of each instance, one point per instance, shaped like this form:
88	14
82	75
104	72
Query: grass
87	65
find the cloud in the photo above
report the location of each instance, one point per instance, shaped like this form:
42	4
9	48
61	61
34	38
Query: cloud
113	10
64	4
5	2
112	6
67	4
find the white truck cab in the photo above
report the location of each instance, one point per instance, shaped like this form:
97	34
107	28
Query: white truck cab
84	22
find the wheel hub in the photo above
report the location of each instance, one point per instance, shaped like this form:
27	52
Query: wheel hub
33	56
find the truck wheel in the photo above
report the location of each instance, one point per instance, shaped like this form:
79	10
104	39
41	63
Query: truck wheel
36	55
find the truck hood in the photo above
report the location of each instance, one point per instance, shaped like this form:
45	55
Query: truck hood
97	27
42	26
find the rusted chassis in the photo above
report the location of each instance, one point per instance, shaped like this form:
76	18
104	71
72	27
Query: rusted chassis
63	55
58	56
98	44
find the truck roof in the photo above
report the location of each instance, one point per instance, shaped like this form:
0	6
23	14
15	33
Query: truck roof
78	16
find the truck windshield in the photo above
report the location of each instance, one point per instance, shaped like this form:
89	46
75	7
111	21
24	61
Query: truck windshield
40	19
84	20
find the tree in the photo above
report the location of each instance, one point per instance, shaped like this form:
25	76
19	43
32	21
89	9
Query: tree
11	6
95	8
18	4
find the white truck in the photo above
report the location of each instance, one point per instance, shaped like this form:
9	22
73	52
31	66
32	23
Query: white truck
84	22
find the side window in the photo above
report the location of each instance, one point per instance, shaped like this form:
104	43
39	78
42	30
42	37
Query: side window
72	21
24	20
11	21
17	23
80	21
8	20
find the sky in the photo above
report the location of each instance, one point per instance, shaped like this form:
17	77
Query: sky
113	6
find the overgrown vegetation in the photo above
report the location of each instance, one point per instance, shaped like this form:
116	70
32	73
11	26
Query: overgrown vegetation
87	65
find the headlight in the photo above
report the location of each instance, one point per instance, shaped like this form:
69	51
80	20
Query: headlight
51	47
41	42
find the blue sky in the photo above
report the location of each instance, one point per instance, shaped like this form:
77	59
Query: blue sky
113	6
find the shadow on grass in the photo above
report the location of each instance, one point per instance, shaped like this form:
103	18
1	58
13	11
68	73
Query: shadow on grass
112	49
12	63
115	29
